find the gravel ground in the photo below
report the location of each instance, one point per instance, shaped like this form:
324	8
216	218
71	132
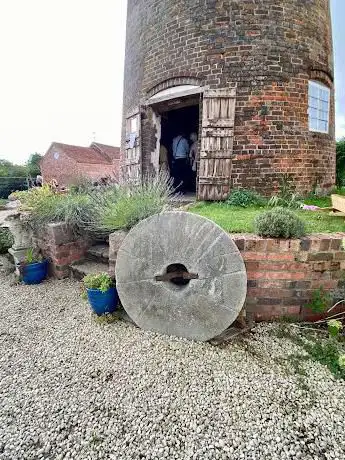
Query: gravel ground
73	388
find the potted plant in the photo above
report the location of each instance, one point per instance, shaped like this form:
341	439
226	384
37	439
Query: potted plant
101	293
33	268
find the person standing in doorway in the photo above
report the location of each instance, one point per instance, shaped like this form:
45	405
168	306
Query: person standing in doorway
163	160
180	149
194	157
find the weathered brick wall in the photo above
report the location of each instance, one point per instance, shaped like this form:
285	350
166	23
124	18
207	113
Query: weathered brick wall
269	49
67	171
62	247
282	274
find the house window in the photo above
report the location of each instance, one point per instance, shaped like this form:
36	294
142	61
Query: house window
134	124
319	100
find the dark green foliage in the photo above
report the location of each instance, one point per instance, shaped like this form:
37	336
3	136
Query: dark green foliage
320	301
279	223
33	165
245	198
11	184
8	169
341	163
6	240
12	178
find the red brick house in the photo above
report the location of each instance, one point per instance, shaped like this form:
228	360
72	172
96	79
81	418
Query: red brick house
70	163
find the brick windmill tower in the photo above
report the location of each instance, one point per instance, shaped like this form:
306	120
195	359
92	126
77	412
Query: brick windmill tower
254	80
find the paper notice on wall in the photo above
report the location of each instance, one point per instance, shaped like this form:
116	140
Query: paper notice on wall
132	138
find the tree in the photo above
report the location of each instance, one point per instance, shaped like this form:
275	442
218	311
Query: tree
341	163
33	164
8	169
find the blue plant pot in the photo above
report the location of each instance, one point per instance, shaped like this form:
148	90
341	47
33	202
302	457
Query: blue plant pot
103	302
35	273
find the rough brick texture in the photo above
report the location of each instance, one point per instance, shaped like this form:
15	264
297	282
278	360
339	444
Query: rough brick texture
282	274
68	170
62	247
268	49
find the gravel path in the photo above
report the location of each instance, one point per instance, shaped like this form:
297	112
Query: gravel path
73	388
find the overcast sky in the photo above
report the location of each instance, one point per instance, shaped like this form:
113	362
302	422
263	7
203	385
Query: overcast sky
62	69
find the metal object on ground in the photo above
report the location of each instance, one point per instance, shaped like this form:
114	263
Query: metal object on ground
180	274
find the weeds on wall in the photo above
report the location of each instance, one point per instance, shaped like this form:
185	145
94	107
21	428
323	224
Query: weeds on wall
287	196
320	301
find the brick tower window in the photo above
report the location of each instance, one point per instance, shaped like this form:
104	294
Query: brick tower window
319	99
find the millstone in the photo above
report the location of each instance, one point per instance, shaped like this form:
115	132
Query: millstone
180	274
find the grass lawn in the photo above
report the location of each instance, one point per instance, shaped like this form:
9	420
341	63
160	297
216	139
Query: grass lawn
3	201
240	220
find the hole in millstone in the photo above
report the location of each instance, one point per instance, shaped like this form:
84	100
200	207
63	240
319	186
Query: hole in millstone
179	269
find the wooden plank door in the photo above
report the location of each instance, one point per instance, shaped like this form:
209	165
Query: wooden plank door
217	134
133	157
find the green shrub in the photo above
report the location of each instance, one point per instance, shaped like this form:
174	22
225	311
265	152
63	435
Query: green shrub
6	240
73	209
33	198
320	301
245	198
98	211
10	184
279	223
101	281
334	327
122	207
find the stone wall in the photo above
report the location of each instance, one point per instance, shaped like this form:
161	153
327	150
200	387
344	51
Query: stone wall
58	243
269	50
115	241
282	274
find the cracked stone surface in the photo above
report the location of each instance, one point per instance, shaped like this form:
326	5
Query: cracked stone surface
204	307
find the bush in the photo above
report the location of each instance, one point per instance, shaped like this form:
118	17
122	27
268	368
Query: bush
73	209
320	300
122	207
98	211
279	223
245	198
6	240
33	198
10	184
101	281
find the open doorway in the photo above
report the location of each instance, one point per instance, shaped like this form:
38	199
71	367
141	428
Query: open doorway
181	123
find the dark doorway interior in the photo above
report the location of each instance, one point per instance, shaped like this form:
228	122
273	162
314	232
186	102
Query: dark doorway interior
174	122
